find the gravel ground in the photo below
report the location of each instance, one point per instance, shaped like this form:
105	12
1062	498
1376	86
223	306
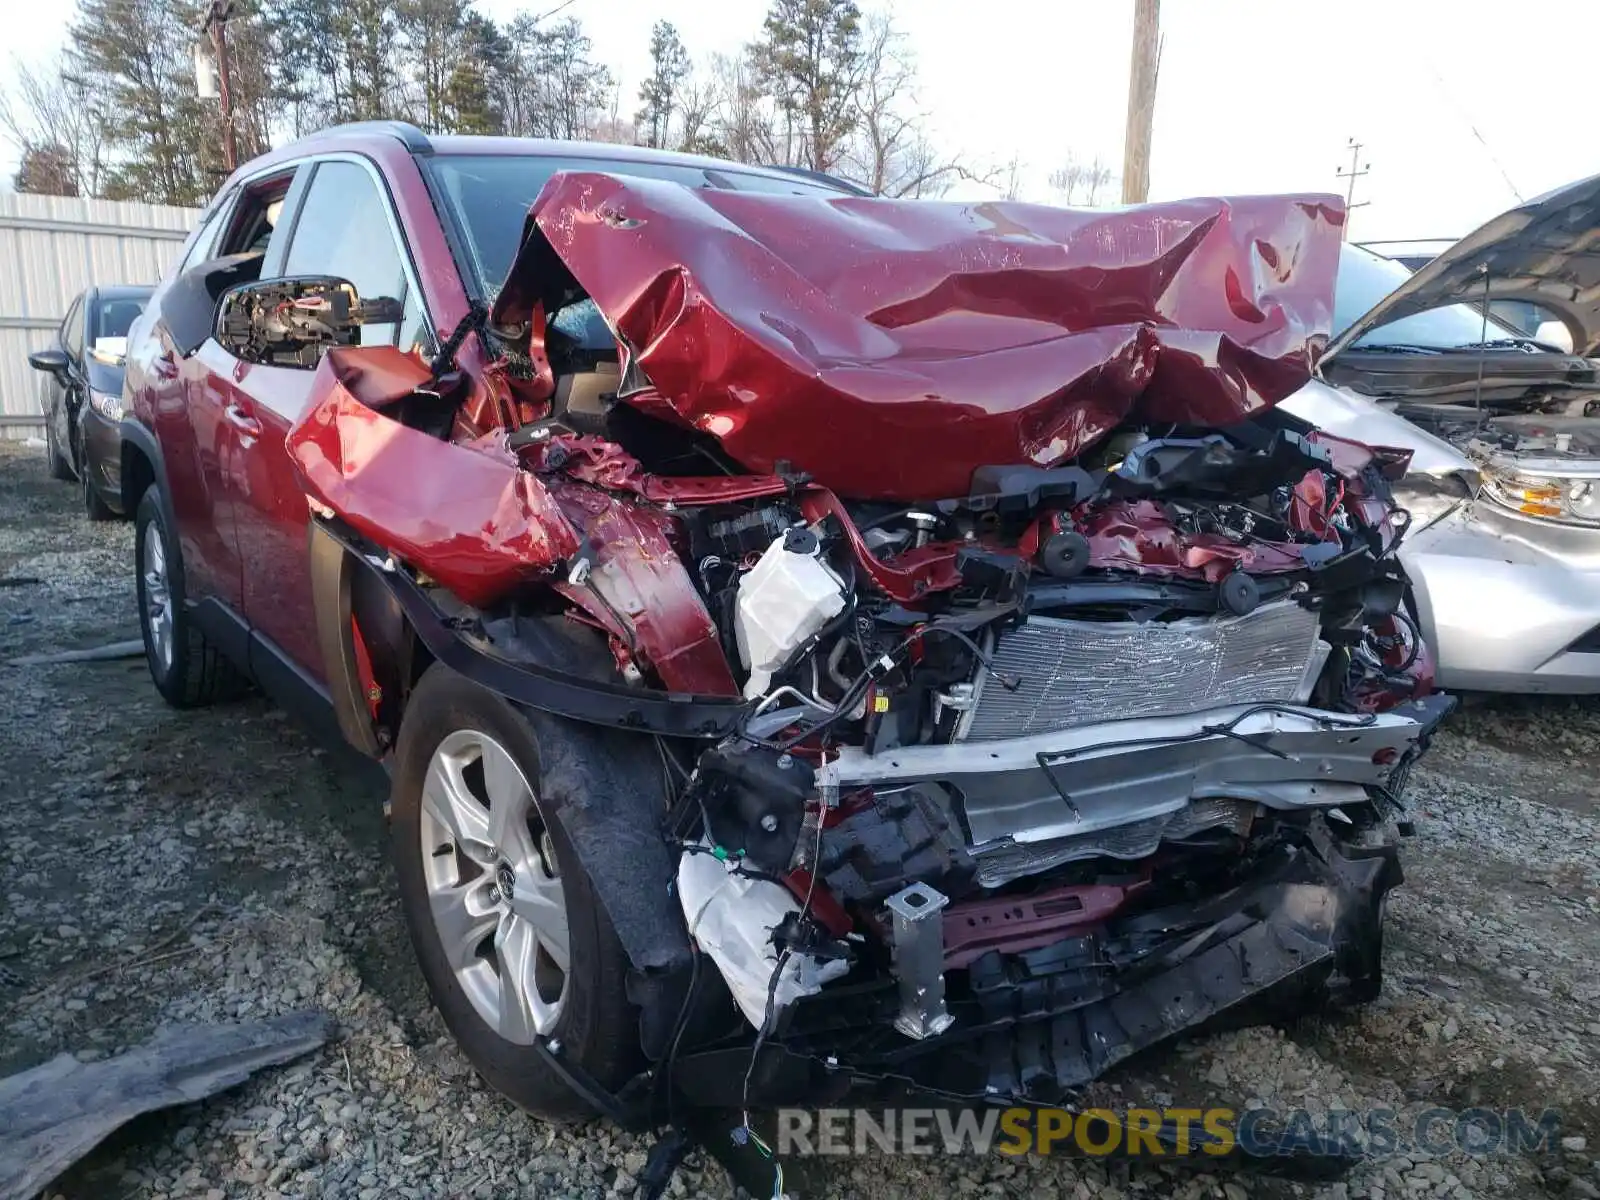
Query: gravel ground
159	867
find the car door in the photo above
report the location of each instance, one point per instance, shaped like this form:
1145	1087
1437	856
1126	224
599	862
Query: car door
66	388
199	423
344	227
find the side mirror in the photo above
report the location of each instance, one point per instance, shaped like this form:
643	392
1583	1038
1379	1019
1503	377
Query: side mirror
288	322
54	361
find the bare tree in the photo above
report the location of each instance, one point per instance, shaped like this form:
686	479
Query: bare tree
698	101
1068	178
891	151
1096	177
1010	180
53	114
747	124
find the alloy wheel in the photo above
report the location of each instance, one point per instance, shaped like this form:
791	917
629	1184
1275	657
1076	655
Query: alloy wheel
157	596
494	886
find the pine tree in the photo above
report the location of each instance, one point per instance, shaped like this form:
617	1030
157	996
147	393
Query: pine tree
811	59
669	67
482	63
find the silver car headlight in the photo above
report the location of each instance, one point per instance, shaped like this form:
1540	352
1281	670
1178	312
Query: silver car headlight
1570	499
106	404
1431	498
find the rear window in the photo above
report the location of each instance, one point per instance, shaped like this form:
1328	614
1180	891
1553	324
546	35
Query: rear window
490	195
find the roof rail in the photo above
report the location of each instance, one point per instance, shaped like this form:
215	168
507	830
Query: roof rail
848	185
413	138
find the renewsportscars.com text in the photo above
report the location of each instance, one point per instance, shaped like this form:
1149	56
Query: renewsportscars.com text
1167	1132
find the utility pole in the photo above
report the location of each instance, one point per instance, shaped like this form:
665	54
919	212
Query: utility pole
1141	101
216	23
1356	171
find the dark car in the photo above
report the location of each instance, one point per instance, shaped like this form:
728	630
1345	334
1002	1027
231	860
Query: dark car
814	639
83	404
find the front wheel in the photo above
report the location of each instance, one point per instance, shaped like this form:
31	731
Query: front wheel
513	942
94	506
60	468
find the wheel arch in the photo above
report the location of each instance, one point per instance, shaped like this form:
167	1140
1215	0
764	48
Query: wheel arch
142	468
612	804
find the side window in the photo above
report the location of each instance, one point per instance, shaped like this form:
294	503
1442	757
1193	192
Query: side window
343	230
72	329
200	248
253	226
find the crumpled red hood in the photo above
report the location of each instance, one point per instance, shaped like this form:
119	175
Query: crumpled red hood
889	347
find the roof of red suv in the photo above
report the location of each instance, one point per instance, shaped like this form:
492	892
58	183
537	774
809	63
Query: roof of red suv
387	133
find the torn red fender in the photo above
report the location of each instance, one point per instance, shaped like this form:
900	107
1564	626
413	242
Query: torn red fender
465	515
647	598
472	519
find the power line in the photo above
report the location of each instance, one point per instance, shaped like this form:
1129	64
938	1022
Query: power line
1356	171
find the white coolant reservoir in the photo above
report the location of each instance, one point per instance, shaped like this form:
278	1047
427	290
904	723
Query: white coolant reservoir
785	598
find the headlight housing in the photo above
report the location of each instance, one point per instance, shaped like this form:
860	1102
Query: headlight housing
106	404
1571	499
1431	498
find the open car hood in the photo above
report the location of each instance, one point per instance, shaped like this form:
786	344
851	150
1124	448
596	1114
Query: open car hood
1543	252
887	348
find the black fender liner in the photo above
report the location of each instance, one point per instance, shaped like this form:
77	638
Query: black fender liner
136	435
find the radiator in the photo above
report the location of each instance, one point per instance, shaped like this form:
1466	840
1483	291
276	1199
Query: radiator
1078	672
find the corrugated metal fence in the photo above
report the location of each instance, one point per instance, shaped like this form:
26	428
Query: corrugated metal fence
51	248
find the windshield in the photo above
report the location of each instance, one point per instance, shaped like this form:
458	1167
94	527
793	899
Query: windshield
116	315
1366	278
490	194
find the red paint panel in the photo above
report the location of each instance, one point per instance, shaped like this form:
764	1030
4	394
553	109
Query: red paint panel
1013	924
1138	536
644	590
466	515
889	347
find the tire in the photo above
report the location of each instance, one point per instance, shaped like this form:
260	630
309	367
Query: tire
446	717
94	507
186	669
60	468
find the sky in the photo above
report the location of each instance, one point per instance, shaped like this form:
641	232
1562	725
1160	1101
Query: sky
1461	106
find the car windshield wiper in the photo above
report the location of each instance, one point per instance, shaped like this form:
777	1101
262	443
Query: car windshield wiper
1526	344
1395	348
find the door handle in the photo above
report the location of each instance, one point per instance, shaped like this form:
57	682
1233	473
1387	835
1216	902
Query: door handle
239	417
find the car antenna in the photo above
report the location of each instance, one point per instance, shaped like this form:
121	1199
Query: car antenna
1483	354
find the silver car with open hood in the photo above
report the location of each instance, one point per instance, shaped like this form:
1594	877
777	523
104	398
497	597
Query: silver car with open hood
1503	551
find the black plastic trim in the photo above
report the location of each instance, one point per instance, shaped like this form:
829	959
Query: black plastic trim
133	432
225	629
296	692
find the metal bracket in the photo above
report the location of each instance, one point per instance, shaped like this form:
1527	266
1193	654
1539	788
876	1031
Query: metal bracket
917	912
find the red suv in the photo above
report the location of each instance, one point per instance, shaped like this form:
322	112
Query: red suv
919	611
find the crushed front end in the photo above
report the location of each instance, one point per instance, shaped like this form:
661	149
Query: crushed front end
1135	766
1054	696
